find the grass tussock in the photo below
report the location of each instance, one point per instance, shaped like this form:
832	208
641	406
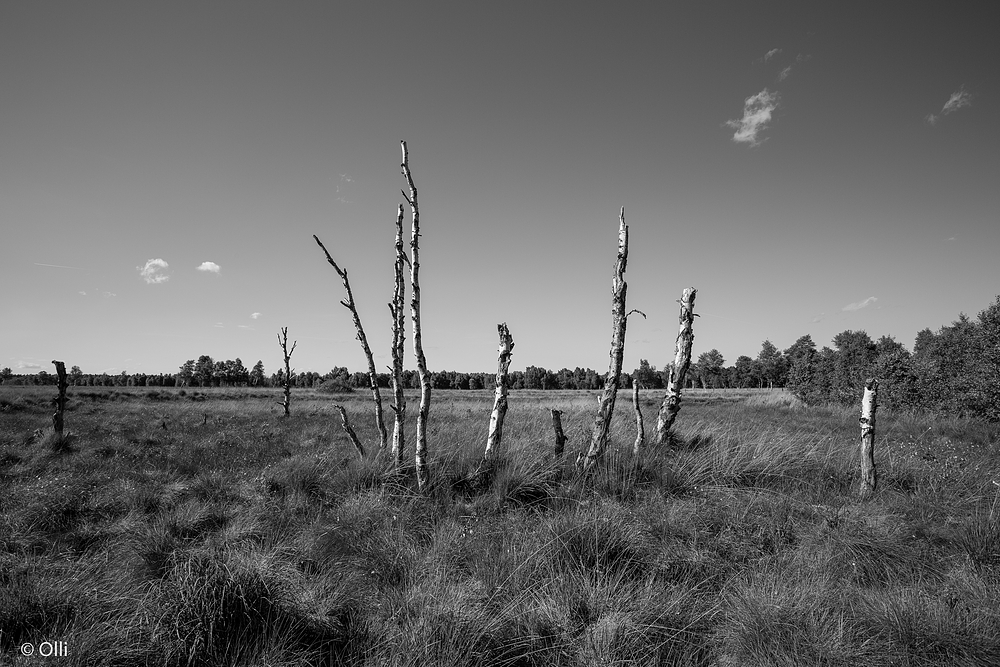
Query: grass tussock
201	527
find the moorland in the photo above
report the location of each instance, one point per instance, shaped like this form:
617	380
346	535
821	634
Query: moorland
200	527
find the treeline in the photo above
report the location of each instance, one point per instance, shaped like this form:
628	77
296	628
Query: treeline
955	371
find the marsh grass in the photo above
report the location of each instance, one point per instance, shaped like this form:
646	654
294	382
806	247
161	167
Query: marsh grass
199	527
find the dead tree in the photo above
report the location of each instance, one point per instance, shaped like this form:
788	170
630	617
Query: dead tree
682	361
372	376
560	436
287	384
350	431
602	421
60	403
500	393
640	429
398	338
423	413
869	403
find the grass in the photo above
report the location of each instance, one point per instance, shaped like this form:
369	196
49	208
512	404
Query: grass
199	527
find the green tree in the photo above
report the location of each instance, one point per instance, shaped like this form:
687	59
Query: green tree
772	365
257	376
204	370
710	368
186	373
75	376
647	376
5	374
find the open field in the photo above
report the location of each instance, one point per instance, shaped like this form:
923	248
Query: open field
199	527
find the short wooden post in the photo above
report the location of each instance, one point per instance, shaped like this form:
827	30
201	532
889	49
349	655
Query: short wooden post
869	404
560	436
640	429
350	431
60	402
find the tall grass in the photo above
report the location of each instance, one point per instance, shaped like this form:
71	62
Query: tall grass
205	529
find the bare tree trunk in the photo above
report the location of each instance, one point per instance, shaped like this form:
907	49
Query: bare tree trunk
869	403
640	429
398	338
60	403
500	393
283	342
423	413
350	431
372	375
602	421
682	361
560	436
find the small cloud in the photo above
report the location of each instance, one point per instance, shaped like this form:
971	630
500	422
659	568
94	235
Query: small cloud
154	271
219	325
243	326
254	316
770	54
957	101
26	365
757	111
951	238
784	73
108	295
56	266
210	267
82	292
860	304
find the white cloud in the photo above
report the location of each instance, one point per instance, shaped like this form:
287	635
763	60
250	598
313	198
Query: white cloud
756	116
218	325
254	316
108	295
154	271
83	293
244	326
784	73
770	54
860	304
957	101
26	365
211	267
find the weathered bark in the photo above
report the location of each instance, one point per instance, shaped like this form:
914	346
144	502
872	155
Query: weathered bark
602	421
60	403
869	403
560	436
372	375
350	431
682	361
423	412
287	384
500	393
640	429
398	338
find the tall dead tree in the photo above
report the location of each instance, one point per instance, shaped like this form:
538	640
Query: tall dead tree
398	338
682	361
287	384
372	375
500	393
602	421
60	403
869	403
640	429
423	413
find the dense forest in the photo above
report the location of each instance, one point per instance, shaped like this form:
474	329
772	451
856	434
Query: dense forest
955	371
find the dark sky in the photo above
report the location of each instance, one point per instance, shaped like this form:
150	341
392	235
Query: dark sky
810	168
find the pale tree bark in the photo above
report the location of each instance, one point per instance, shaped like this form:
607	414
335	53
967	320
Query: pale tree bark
640	429
398	338
423	412
372	375
506	349
283	342
602	421
350	431
560	436
60	403
682	361
869	403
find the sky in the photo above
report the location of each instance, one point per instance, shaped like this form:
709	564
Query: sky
809	167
